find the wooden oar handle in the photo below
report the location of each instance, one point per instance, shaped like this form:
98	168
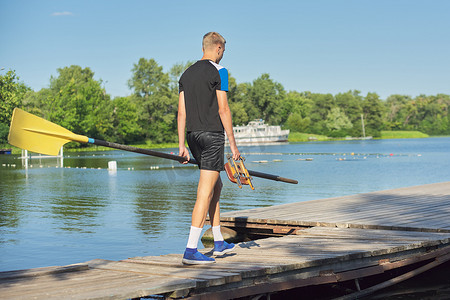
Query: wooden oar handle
272	177
287	180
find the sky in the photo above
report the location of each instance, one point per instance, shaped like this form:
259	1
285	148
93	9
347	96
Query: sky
322	46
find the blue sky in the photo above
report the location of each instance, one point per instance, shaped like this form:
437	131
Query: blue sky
324	46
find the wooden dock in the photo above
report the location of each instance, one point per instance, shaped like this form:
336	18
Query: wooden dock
315	242
421	208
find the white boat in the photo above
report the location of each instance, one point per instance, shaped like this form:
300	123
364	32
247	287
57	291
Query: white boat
256	132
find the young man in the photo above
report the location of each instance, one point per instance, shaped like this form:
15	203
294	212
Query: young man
204	113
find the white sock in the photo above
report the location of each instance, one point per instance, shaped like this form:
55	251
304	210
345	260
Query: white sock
216	233
194	236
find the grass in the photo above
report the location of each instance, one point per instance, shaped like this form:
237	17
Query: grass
306	137
403	135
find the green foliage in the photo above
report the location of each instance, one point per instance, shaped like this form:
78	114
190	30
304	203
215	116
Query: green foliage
76	101
125	121
337	122
148	78
11	96
175	73
296	123
266	96
296	103
427	114
373	111
4	130
240	116
156	103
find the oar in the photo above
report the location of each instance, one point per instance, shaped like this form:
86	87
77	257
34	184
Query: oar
35	134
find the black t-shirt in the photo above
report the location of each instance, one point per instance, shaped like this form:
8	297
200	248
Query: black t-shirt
199	84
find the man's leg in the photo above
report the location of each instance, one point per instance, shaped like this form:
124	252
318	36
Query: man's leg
214	207
220	246
205	192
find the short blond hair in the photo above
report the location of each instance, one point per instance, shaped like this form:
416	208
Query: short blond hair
212	39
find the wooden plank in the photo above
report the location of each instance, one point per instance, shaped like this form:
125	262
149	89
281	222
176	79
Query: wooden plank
205	277
42	271
168	260
291	281
339	212
392	194
91	284
378	198
349	212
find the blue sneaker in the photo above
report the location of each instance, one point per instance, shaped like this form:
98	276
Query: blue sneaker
193	257
222	247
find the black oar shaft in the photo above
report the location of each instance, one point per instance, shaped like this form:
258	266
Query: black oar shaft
140	150
180	158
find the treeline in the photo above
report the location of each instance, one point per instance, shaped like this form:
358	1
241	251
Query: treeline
78	102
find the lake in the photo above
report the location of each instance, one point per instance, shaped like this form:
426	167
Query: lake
62	212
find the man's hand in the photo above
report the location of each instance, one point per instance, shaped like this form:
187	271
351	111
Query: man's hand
184	152
235	152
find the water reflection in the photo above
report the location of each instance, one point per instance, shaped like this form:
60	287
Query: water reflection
151	207
83	212
158	200
76	214
11	206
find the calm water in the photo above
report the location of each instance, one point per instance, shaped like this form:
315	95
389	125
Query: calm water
57	216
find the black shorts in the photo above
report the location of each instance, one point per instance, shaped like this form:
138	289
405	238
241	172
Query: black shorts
207	149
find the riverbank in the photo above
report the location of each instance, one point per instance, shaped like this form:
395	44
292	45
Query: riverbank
293	137
307	137
15	150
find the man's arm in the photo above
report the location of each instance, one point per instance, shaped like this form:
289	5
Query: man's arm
181	119
225	117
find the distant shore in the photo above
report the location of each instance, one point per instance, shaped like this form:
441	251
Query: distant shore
307	137
293	137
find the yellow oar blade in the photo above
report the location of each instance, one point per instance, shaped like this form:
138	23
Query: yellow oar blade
35	134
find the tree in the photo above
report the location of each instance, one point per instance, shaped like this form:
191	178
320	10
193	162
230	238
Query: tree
295	103
432	112
148	78
337	122
125	120
76	101
266	95
350	104
373	112
156	105
395	110
322	104
239	114
241	94
175	73
11	95
296	123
